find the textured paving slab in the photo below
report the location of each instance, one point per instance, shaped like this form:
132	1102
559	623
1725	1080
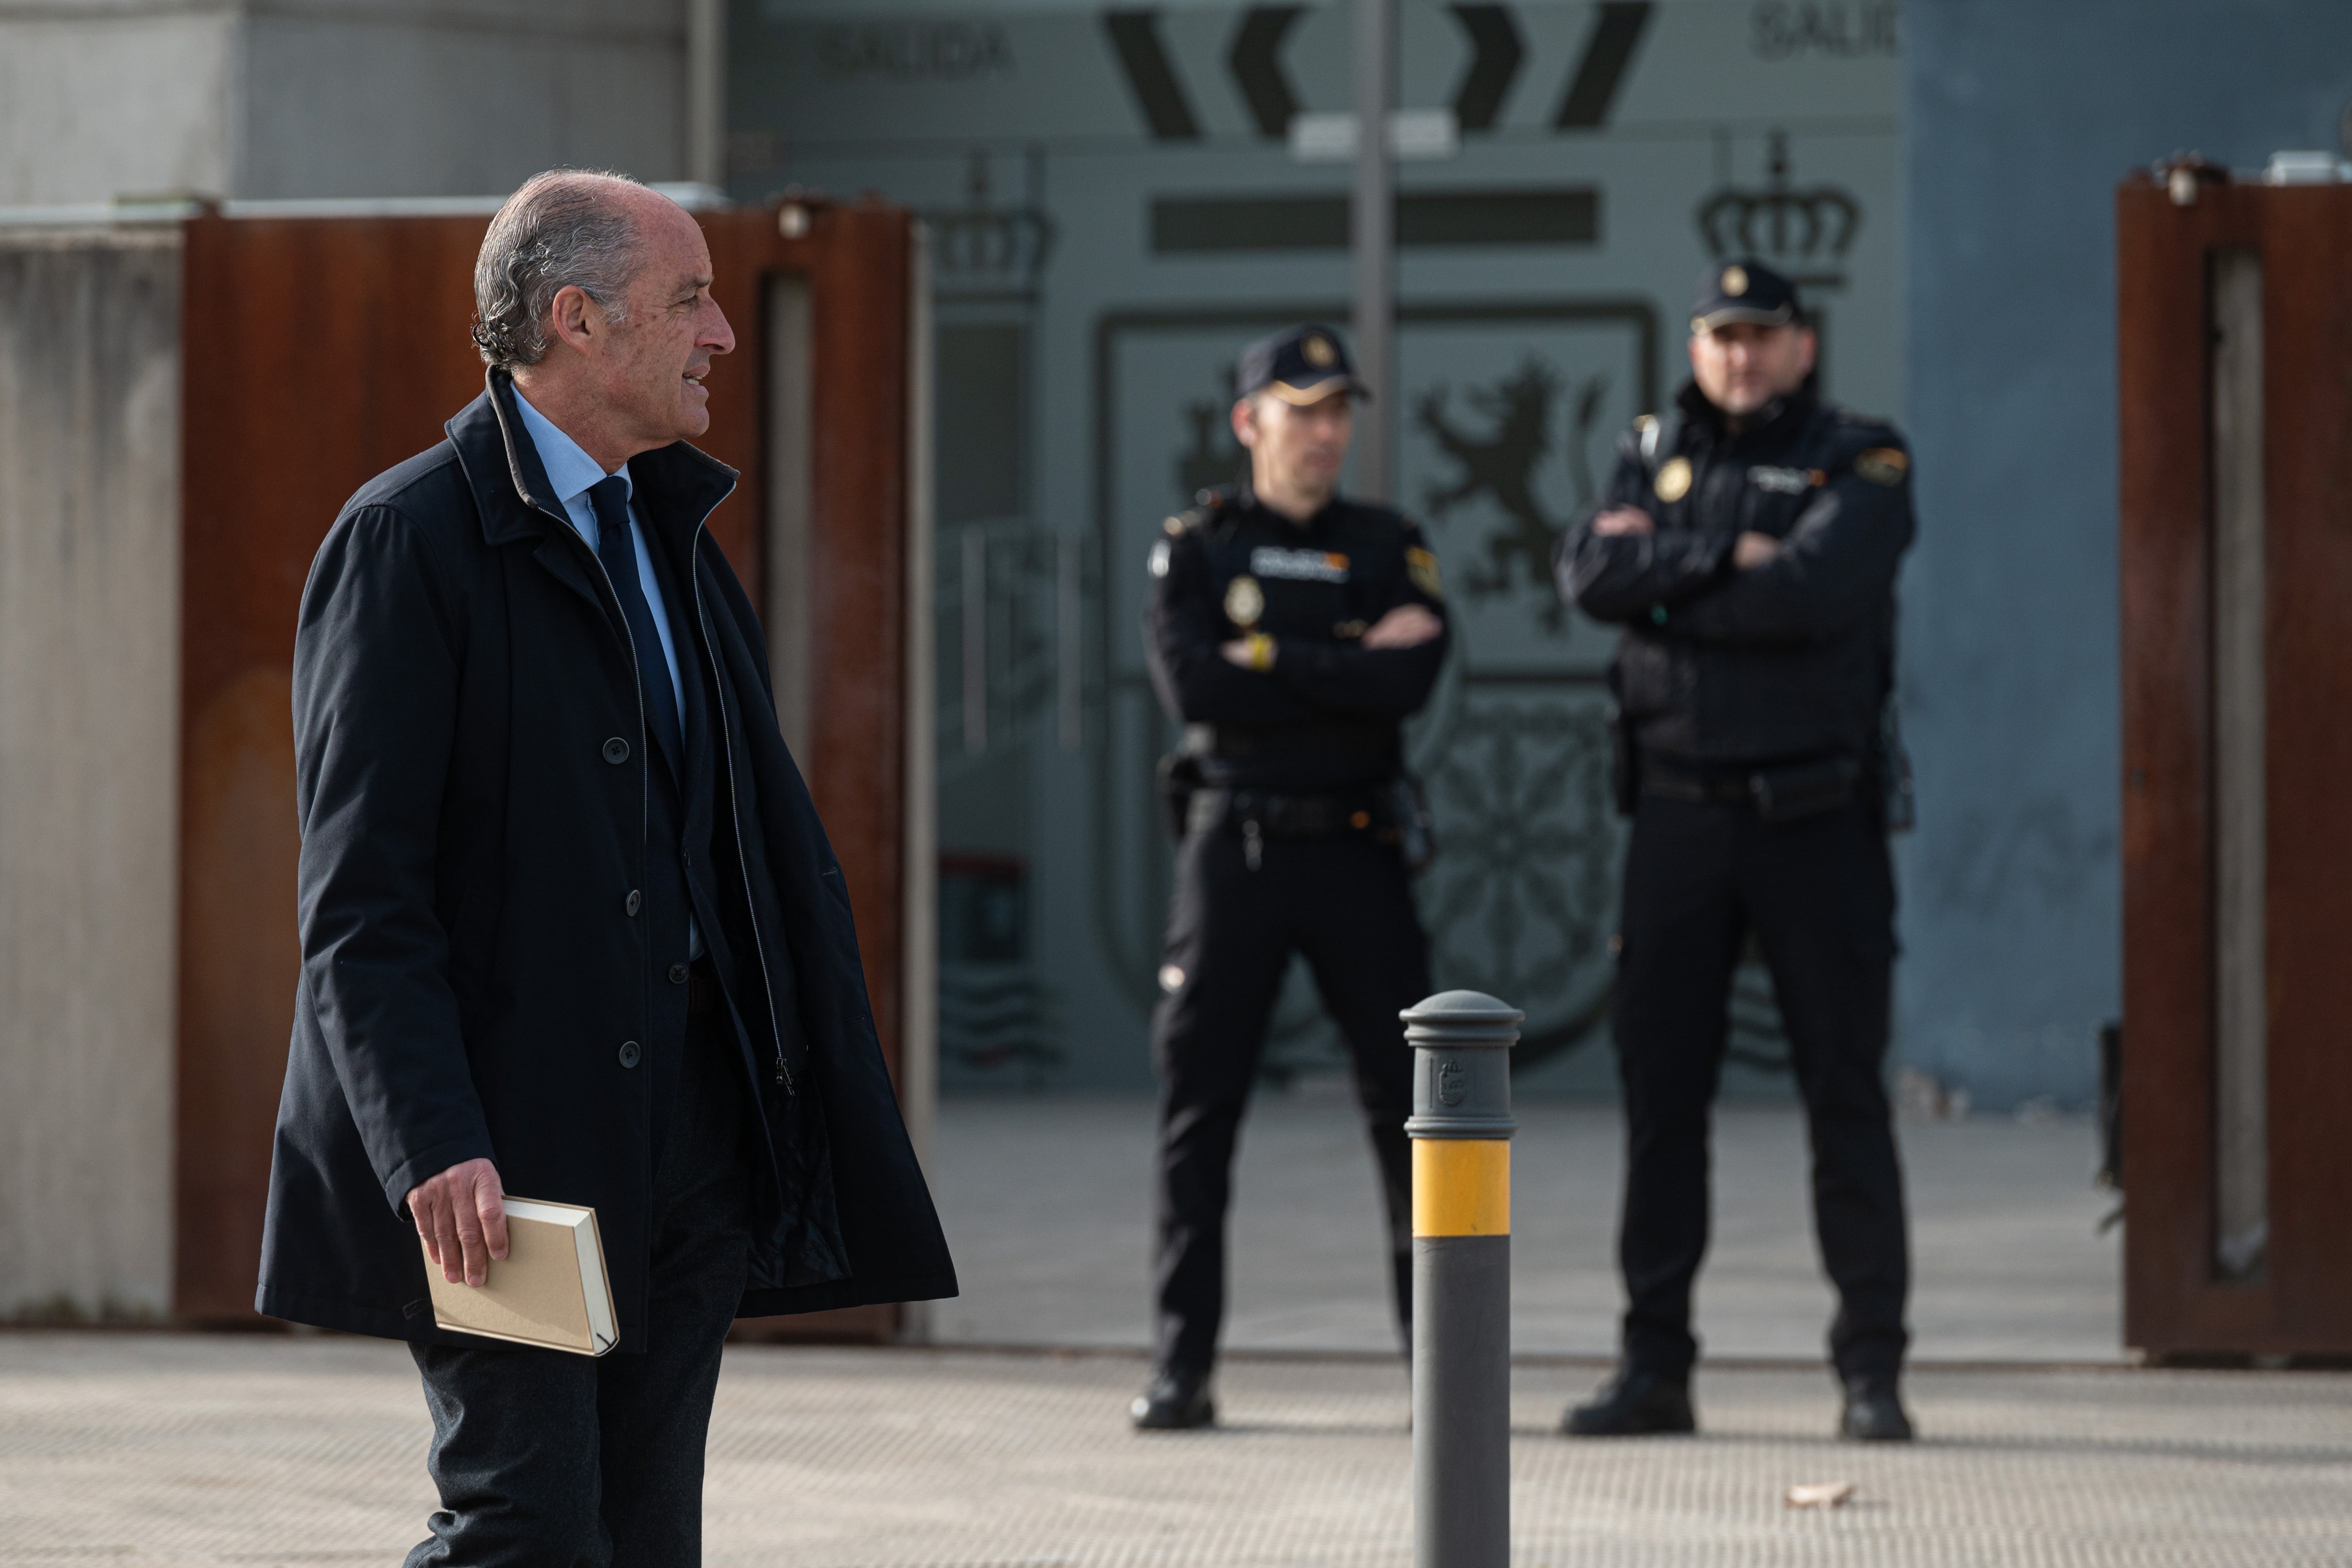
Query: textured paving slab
1048	1203
159	1449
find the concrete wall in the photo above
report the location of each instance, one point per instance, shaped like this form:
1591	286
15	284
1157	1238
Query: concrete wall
2021	117
98	103
371	98
419	98
90	602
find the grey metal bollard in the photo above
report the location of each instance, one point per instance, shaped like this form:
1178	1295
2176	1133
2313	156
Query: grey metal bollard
1460	1130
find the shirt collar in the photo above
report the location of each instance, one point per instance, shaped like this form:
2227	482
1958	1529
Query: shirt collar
570	469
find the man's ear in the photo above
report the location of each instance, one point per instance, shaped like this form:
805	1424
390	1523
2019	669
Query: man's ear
577	321
1245	421
1810	350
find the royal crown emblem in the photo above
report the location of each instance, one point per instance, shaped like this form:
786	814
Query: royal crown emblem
987	248
1799	229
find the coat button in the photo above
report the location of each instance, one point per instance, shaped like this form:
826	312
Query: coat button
629	1053
677	975
635	900
616	751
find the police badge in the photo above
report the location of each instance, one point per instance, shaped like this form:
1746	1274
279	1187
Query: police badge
1244	601
1674	480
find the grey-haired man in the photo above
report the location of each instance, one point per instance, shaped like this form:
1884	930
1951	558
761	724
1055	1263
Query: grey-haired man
571	928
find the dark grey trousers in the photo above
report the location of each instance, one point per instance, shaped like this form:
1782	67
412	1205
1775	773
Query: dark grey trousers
561	1461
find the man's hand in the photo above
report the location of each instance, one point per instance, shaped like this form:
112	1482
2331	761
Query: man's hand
1407	625
1750	551
1619	522
462	1215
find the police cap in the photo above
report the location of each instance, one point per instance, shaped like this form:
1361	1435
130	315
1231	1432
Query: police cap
1300	365
1745	290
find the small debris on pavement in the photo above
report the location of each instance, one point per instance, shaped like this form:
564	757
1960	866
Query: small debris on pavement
1819	1494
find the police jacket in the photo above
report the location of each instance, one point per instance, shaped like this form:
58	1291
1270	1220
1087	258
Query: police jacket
1789	660
472	771
1327	716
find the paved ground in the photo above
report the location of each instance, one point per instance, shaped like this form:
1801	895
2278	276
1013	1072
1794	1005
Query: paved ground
1048	1204
161	1449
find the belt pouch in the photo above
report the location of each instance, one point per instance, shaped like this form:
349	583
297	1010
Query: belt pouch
1179	780
1411	821
1806	789
1625	765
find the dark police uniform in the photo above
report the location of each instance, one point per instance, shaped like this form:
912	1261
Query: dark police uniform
1750	708
1295	836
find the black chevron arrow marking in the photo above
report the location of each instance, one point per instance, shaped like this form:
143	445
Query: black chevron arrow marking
1494	61
1256	61
1608	50
1135	36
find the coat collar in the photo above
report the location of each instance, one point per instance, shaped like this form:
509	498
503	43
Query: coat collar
1785	413
680	485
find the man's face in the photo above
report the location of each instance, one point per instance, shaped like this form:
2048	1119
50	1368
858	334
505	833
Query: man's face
650	372
1741	366
1297	446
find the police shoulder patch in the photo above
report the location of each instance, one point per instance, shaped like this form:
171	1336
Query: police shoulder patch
1645	436
1883	465
1420	565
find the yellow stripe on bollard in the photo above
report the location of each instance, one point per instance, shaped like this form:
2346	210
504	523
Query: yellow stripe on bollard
1461	1186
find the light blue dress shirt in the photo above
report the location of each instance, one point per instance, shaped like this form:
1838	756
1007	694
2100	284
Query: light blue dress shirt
570	474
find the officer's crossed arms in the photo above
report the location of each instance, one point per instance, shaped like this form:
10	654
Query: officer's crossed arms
1299	448
1833	561
1741	366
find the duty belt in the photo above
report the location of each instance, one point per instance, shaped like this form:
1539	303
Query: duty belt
1674	781
1346	737
1781	792
1284	815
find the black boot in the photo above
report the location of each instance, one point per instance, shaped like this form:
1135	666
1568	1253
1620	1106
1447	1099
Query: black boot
1874	1413
1635	1404
1177	1401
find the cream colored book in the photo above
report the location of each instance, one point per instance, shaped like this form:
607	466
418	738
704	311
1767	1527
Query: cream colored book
549	1290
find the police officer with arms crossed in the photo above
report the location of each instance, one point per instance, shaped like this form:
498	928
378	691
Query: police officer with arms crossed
1748	543
1291	632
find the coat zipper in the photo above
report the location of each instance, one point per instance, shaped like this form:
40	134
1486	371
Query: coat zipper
735	805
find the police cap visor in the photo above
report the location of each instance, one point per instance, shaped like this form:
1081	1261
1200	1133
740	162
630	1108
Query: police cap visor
1300	365
1746	291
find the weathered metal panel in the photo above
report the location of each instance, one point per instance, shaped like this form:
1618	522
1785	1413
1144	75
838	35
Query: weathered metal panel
2179	1299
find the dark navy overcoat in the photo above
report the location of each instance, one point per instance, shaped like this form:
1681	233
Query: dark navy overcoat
471	830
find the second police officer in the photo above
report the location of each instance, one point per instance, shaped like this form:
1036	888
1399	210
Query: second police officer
1747	542
1291	632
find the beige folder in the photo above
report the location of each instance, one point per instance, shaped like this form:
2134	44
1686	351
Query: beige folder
550	1289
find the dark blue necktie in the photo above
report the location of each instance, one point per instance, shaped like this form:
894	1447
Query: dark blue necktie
616	546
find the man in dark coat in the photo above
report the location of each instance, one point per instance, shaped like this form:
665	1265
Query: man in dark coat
571	928
1748	543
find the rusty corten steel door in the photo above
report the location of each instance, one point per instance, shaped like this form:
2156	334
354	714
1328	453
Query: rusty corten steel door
2246	281
319	352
